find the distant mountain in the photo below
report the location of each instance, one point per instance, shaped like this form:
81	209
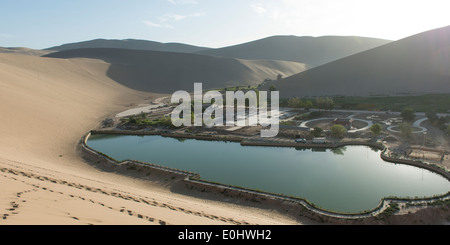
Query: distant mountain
167	72
417	64
313	51
131	44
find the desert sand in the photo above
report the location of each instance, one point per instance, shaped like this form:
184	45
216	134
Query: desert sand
25	51
46	106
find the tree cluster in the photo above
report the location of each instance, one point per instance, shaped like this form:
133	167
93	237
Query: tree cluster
324	103
299	103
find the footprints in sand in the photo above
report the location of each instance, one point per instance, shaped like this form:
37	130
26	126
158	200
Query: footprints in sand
140	216
13	209
115	194
15	205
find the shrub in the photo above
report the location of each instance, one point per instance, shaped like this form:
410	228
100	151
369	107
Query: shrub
132	119
288	123
392	209
315	114
107	123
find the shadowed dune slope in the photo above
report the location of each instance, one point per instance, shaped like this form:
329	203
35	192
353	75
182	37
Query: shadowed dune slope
313	51
165	72
417	64
131	44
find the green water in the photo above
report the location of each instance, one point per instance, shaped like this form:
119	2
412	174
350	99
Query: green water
349	179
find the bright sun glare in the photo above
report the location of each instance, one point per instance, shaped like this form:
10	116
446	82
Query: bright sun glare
383	19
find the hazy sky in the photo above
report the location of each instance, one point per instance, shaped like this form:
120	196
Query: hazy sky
212	23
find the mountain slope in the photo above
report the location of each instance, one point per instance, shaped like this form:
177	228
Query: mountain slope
312	51
417	64
131	44
167	72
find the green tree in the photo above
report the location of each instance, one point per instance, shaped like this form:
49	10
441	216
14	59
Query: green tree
329	103
132	119
320	102
324	103
294	103
273	88
279	77
308	104
317	132
338	131
405	129
408	115
376	129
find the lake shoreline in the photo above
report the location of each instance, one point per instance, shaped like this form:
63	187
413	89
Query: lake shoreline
191	181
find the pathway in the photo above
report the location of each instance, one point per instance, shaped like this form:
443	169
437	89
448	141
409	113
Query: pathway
369	123
417	124
156	104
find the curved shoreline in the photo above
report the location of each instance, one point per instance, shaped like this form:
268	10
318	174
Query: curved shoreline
193	180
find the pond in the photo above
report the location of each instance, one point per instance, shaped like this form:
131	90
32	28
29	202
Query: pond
349	179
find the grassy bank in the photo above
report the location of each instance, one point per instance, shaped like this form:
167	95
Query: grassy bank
422	103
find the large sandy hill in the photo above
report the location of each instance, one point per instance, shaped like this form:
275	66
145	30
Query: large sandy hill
167	72
131	44
417	64
24	51
46	105
313	51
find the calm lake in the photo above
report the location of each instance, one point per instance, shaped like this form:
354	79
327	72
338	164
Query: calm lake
349	179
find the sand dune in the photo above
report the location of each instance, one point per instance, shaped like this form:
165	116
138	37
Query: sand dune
24	51
313	51
131	44
166	72
417	64
46	105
